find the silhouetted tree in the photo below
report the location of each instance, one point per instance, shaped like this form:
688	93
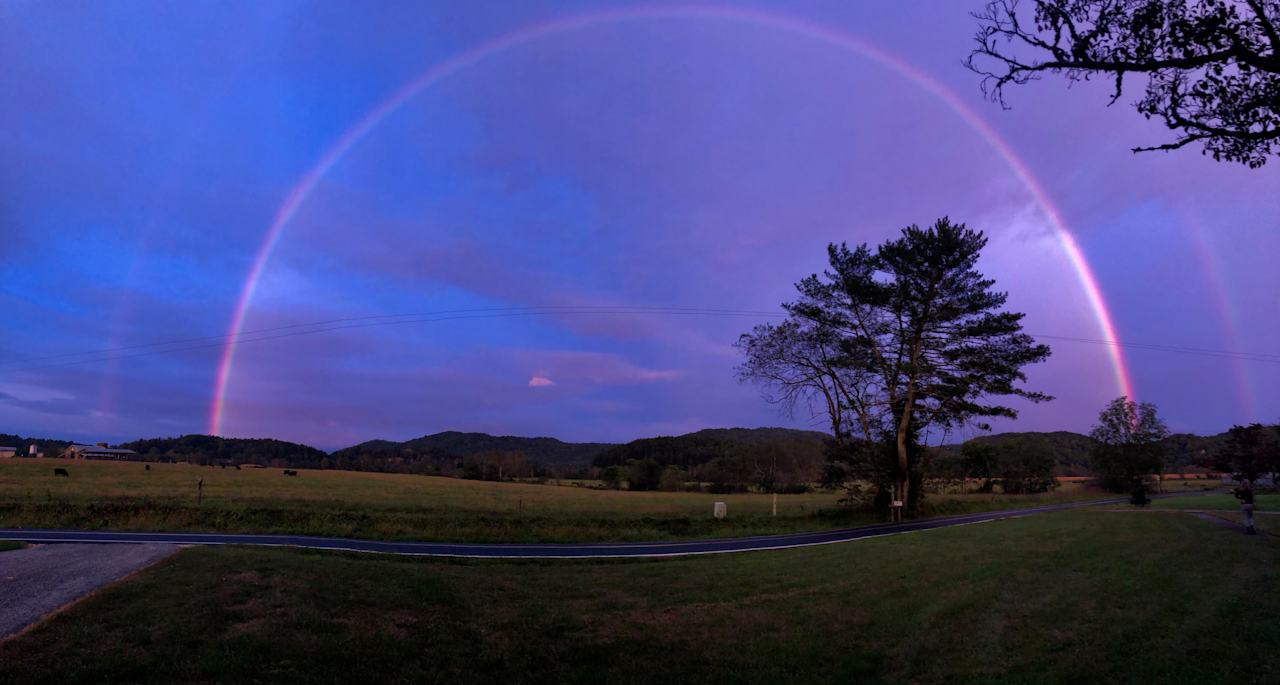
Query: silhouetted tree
1212	67
673	479
644	474
1128	443
888	343
980	461
1249	452
612	477
1020	467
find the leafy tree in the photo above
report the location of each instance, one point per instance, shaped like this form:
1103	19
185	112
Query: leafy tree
728	473
1018	465
886	344
644	474
980	461
673	479
1212	67
1250	451
612	477
1128	437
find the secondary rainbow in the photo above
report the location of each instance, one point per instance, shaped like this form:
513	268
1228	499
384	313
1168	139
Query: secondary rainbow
307	182
1195	232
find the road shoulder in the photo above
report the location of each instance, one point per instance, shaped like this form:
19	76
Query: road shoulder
39	581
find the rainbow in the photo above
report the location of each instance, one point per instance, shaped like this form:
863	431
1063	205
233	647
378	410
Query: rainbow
1195	232
307	182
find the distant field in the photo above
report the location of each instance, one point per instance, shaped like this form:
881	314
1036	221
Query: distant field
1080	597
123	495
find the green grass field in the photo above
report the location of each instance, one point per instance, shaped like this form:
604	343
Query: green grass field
1070	597
1225	502
122	495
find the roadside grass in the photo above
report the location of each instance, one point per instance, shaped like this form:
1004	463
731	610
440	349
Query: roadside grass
125	496
1226	502
1067	597
8	545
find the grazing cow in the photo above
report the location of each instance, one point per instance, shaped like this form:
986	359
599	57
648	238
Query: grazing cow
61	472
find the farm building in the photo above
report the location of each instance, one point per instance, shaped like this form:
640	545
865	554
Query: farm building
8	452
98	451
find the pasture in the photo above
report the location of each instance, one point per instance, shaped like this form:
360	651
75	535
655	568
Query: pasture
125	496
1068	597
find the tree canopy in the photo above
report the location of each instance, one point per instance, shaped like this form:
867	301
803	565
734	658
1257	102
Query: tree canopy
1212	67
1250	451
1130	445
888	343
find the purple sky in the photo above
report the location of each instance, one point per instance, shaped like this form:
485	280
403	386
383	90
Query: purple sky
658	161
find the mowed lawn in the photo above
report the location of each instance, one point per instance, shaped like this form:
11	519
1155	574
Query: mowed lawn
1068	597
125	496
1226	501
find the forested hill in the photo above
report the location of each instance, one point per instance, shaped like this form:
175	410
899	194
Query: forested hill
209	449
453	446
694	449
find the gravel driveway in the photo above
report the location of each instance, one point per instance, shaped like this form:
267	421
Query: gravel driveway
38	580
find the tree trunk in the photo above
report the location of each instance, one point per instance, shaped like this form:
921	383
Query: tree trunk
900	486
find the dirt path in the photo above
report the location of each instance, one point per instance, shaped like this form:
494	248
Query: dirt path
38	580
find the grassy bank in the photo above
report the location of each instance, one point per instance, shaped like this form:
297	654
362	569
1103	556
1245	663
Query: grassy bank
1073	597
7	545
125	496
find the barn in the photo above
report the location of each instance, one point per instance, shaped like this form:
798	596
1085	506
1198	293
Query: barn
98	451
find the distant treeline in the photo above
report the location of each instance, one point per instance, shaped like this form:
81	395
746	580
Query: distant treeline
209	449
1070	452
477	455
722	459
22	445
726	459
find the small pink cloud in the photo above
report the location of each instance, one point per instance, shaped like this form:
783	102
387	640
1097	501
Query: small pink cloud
540	382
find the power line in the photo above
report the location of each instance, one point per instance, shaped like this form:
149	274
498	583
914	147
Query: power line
391	318
1228	354
371	321
294	330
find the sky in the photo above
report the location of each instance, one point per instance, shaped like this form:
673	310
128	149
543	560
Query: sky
415	173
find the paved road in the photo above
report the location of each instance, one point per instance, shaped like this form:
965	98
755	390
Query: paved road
38	580
538	551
